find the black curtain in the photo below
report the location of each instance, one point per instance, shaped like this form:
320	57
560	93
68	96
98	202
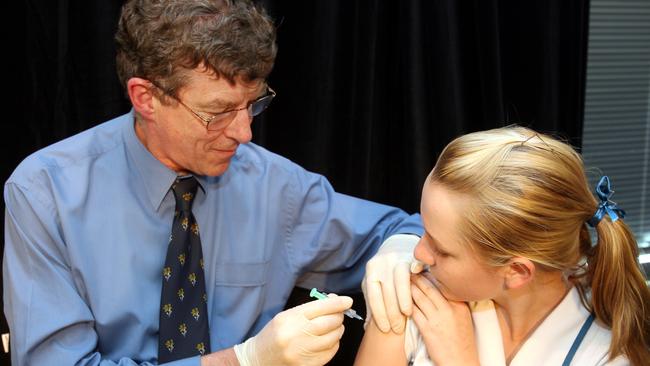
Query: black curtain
368	91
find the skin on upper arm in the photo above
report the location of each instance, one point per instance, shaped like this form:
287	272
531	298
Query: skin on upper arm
379	348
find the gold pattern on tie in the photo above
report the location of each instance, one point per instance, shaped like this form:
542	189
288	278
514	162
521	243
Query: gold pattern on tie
183	329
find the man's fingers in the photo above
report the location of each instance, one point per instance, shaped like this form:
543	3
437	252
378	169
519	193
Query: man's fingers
391	304
376	302
417	266
402	279
327	340
323	356
324	324
330	305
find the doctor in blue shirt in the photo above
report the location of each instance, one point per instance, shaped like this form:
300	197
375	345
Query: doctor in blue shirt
88	219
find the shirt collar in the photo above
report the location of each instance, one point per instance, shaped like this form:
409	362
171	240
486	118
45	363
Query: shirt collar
557	332
156	178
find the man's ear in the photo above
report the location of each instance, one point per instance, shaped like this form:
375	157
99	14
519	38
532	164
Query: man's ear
142	99
518	272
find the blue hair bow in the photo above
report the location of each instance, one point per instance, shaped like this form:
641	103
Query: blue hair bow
606	206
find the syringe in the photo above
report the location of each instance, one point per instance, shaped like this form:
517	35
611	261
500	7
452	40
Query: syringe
319	295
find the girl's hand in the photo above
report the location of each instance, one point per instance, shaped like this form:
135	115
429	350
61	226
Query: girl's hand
446	326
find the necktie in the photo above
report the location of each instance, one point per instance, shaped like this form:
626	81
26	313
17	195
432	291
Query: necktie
184	328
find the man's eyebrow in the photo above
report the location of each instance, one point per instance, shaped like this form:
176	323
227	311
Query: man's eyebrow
217	103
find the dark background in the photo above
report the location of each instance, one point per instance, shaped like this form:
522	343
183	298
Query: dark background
368	91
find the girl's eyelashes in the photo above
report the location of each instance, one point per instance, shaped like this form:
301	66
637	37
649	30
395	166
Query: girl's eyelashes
441	253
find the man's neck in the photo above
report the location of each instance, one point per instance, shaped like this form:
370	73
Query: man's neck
149	142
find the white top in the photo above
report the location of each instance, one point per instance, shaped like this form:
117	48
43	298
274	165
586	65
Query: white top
548	345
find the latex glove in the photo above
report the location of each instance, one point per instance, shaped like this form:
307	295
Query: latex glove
387	283
445	326
307	334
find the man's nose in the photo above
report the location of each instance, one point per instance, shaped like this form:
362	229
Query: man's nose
240	128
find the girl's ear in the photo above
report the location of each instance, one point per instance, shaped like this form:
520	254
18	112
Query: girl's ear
518	272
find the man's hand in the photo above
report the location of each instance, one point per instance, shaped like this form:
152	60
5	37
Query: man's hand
307	334
387	284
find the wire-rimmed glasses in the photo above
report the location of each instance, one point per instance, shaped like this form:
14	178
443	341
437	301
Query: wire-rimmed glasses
218	121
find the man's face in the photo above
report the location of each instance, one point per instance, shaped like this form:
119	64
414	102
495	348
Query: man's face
180	140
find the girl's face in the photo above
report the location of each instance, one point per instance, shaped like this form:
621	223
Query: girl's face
455	269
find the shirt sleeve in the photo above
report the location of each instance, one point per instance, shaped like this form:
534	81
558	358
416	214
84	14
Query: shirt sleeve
49	319
331	236
412	341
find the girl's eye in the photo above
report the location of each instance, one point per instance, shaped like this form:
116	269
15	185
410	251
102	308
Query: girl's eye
434	247
442	254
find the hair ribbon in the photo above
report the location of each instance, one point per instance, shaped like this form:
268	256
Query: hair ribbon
606	207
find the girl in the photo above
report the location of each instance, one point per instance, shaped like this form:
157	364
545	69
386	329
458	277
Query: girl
514	278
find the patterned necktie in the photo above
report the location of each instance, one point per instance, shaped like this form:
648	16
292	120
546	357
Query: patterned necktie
184	328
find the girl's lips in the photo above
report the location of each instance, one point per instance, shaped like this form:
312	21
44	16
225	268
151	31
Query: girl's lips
431	278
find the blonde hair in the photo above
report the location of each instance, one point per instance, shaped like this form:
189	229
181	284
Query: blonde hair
529	197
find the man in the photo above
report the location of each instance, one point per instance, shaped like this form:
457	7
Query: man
94	273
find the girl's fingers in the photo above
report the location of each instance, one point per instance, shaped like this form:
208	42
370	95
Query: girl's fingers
424	304
431	292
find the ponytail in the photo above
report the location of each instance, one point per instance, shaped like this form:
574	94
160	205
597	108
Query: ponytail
620	297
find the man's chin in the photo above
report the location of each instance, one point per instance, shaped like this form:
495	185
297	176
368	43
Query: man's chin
215	170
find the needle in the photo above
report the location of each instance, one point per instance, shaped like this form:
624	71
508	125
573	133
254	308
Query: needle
320	295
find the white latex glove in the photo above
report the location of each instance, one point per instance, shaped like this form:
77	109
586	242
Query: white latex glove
307	334
387	284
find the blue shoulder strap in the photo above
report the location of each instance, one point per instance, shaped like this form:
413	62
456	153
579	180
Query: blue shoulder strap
578	340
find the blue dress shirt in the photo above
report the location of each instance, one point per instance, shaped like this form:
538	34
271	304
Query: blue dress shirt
87	224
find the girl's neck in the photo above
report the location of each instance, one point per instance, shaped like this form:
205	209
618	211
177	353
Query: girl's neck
520	311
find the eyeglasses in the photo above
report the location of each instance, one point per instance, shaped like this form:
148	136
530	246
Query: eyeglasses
221	120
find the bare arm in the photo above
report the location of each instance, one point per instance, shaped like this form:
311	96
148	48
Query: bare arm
378	348
224	357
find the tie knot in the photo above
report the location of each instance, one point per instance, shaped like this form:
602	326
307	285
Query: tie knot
184	191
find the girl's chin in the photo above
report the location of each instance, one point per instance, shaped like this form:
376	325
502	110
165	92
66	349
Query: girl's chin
449	296
429	276
441	287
